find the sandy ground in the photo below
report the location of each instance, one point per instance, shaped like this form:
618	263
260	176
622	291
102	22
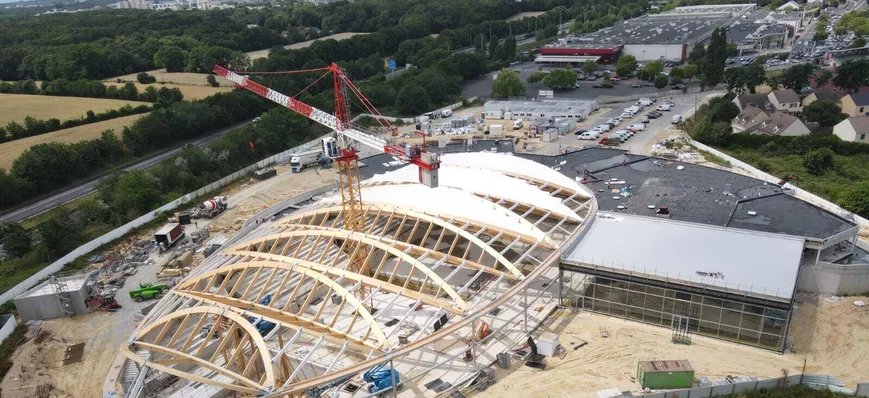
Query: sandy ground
191	79
528	14
246	200
612	361
338	36
9	151
832	337
190	92
15	107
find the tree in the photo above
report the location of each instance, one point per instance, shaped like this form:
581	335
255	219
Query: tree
133	193
754	75
824	112
626	65
716	57
677	72
661	81
560	79
851	75
171	57
145	78
589	67
411	99
698	54
823	77
16	241
856	198
652	70
536	77
819	160
797	77
735	79
689	71
509	48
493	47
212	81
548	31
508	84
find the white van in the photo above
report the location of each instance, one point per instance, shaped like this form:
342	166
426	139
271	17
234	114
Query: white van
645	101
677	119
589	135
517	124
447	112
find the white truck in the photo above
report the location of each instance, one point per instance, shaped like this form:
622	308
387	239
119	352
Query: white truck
303	160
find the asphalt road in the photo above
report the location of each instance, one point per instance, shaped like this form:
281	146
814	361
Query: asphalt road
72	193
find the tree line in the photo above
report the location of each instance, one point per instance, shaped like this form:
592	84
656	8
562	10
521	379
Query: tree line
32	126
124	196
46	167
93	89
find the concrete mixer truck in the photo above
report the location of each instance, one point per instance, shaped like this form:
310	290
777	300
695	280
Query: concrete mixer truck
212	207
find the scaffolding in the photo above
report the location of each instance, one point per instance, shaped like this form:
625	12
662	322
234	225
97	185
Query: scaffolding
62	295
681	330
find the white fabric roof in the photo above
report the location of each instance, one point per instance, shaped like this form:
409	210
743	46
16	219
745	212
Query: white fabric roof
487	182
512	165
748	261
448	202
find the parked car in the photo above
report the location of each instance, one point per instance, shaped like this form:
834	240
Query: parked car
597	86
663	107
604	127
679	87
589	135
637	127
636	85
677	119
578	132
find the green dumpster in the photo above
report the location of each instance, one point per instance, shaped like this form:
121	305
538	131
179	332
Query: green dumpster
665	374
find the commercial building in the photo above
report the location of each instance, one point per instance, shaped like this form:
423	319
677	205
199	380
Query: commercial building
668	35
547	108
55	298
572	48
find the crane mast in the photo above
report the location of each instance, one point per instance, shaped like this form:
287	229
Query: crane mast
342	148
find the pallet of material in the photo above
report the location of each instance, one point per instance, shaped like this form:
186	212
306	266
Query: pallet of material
73	354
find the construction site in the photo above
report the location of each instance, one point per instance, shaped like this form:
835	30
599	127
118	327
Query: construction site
375	266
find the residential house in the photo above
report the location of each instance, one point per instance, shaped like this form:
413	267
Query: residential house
856	104
780	123
785	100
789	6
748	118
854	129
822	95
759	101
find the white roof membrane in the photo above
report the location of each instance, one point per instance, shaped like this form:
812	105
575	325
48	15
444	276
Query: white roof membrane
486	182
734	259
512	165
447	203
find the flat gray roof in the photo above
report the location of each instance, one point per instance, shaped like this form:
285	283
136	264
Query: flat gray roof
719	258
542	106
73	283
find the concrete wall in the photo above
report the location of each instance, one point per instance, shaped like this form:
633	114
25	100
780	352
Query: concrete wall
830	278
9	323
654	52
47	306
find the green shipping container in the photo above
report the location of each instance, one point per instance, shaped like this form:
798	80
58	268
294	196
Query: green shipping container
665	374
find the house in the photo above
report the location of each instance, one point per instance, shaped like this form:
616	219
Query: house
854	129
748	118
856	104
822	95
780	123
759	101
785	100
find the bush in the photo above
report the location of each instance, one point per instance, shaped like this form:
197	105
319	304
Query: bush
145	78
818	161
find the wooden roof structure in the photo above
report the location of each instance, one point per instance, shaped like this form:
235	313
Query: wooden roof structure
285	309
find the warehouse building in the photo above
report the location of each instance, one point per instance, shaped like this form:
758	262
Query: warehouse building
572	49
578	109
666	36
54	298
705	250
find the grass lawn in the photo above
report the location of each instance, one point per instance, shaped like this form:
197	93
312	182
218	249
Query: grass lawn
15	107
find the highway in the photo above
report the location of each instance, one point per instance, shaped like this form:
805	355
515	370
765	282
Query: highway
28	210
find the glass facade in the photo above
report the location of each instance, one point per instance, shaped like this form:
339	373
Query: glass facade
733	320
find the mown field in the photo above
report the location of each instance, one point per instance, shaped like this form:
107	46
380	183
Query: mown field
338	36
9	151
190	92
188	79
15	107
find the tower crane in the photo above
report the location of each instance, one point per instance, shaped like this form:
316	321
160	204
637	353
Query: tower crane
342	148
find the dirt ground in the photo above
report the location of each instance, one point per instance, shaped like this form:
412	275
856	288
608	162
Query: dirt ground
833	338
246	200
190	92
338	36
15	107
9	151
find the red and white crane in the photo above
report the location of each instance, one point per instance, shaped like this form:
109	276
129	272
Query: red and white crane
342	149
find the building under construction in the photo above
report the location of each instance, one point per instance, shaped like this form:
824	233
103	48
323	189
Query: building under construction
286	311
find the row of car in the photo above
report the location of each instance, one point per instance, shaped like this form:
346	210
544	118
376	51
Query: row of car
620	136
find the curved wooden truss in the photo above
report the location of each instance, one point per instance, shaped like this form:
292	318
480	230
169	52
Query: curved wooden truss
211	338
293	288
